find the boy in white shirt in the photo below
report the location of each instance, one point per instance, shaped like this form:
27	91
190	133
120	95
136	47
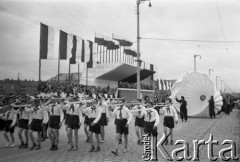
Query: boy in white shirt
170	117
104	117
10	119
94	114
123	118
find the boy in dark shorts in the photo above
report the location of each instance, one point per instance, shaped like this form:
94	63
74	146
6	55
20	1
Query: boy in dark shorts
123	118
35	124
139	123
104	117
56	117
10	119
169	118
74	123
94	113
22	125
151	119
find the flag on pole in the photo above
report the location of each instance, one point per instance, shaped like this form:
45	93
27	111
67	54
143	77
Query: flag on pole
89	52
72	60
79	50
65	45
46	41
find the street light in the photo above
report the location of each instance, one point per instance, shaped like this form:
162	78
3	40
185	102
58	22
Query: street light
209	71
195	56
217	81
138	46
221	85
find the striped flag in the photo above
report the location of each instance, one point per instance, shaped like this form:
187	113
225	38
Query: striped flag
46	41
65	45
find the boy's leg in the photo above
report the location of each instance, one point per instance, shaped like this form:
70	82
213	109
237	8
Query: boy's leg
6	138
125	142
26	136
102	133
98	142
32	139
171	135
12	138
90	136
165	132
138	134
56	137
86	132
142	132
69	135
38	141
76	138
115	151
20	130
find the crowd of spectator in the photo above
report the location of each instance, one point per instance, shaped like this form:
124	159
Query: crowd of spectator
74	88
134	85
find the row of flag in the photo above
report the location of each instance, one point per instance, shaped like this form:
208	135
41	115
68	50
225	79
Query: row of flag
71	47
163	84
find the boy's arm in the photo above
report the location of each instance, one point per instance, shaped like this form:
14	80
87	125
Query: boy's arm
129	116
175	114
14	120
98	116
157	118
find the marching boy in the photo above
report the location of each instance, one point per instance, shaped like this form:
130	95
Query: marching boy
151	119
10	119
56	117
139	123
35	124
170	117
73	124
23	125
123	118
94	114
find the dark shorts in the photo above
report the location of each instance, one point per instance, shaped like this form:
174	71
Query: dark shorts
54	122
121	126
1	125
168	122
139	122
86	120
148	128
95	128
103	120
23	123
73	122
67	119
36	125
7	124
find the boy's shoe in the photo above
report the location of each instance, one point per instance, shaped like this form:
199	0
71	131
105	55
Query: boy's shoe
21	145
76	148
97	149
87	141
33	146
25	146
8	144
92	149
38	147
166	142
120	141
171	142
51	148
102	141
71	148
12	145
115	152
138	142
125	150
55	147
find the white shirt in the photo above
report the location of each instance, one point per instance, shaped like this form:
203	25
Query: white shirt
10	115
73	109
150	115
104	108
93	112
139	108
122	113
36	113
170	111
23	114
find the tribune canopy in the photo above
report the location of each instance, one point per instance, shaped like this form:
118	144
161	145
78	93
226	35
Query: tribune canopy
125	73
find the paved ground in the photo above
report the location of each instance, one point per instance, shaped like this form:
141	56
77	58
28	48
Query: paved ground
223	127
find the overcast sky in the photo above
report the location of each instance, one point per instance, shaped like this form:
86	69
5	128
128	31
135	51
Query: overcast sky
166	19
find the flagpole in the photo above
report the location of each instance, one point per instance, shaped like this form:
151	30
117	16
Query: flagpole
69	71
86	75
58	65
78	74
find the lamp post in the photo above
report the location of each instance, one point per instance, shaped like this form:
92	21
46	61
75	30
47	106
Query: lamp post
195	66
138	46
209	71
217	81
222	82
